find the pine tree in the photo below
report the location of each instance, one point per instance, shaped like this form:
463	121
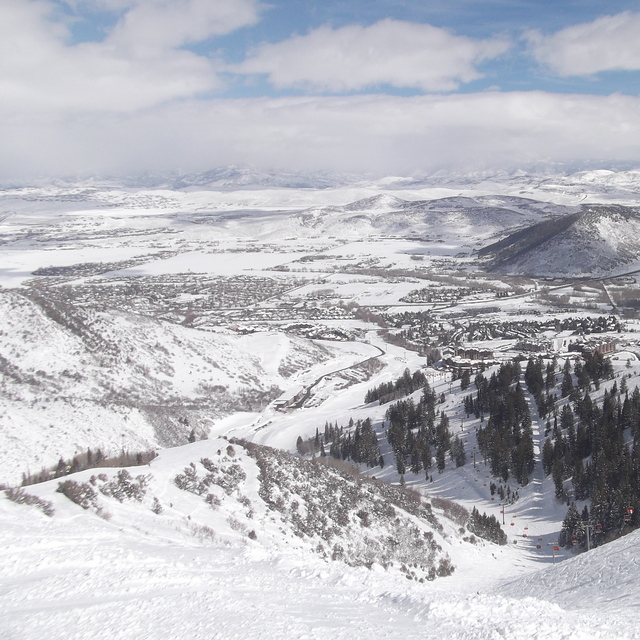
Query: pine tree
400	466
458	454
547	457
573	531
557	472
567	382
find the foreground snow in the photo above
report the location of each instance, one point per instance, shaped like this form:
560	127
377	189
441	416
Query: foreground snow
193	572
79	579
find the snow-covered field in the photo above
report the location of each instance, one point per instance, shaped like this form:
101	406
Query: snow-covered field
131	333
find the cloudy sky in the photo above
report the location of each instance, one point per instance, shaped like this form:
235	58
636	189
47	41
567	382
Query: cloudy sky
378	86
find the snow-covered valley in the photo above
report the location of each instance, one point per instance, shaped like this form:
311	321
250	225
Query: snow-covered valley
203	321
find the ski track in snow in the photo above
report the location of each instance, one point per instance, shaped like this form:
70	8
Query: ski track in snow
73	580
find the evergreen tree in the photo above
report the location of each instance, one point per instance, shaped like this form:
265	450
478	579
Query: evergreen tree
458	454
567	380
573	532
557	472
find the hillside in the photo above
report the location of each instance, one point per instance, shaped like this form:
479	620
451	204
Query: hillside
73	378
304	360
598	241
463	218
234	559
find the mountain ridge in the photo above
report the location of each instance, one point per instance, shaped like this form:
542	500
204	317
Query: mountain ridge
597	241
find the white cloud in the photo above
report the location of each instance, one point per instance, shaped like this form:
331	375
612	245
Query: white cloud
606	44
382	134
401	54
130	102
172	23
138	65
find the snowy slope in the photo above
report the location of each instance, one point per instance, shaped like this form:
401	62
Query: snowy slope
231	567
78	379
606	578
468	218
595	242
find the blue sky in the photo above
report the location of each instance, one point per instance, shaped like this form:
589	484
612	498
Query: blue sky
373	86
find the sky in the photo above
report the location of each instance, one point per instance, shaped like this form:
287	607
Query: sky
378	87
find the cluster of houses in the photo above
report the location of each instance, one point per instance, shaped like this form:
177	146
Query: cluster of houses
461	357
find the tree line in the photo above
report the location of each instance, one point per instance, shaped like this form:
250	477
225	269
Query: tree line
596	447
358	443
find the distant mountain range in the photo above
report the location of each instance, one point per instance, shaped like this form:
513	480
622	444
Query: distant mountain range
234	177
474	220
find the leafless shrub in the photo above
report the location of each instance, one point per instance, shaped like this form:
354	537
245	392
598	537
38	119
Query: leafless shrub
189	481
235	524
339	465
20	496
445	568
325	506
452	510
82	493
213	501
125	487
203	532
229	478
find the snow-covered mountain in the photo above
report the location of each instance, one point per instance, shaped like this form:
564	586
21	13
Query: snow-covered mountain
598	240
246	307
73	379
546	179
115	378
468	218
